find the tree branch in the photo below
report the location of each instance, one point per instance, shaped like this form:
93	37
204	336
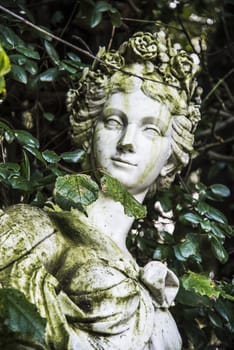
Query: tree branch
222	113
134	7
216	144
186	33
41	30
217	85
146	21
219	156
219	126
70	18
85	52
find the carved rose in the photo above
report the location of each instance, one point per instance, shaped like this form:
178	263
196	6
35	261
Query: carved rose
194	114
182	65
144	45
113	60
97	77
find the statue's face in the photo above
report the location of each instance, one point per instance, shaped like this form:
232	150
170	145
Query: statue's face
132	139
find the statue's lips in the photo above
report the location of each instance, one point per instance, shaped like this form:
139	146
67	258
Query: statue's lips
123	161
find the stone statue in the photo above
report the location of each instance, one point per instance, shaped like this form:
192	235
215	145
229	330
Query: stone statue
134	112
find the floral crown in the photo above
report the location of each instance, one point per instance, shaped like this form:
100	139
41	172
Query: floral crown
174	67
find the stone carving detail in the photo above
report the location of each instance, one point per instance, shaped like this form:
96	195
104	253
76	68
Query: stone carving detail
143	61
135	113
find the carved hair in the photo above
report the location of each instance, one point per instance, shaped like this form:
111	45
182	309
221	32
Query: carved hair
163	72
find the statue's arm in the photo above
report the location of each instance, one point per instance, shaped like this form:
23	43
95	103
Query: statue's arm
23	228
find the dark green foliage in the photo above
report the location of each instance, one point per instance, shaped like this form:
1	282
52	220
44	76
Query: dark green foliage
93	12
20	323
113	188
75	191
36	149
194	252
34	177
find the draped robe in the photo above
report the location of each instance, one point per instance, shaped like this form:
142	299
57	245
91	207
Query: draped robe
92	295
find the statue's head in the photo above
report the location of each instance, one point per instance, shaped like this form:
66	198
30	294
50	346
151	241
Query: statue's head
135	111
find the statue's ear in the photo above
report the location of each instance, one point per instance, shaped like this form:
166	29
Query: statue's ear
168	168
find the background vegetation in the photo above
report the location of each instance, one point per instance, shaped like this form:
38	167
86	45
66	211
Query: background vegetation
48	44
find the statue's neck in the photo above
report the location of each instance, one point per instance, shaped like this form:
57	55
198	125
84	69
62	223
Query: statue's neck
108	217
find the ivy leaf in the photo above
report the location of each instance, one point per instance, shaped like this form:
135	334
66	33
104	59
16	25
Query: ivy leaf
227	229
201	187
200	283
74	156
191	298
11	38
31	67
51	156
21	316
167	238
49	75
25	138
95	18
216	215
46	180
215	319
188	248
202	208
9	169
211	212
113	188
31	53
52	52
161	252
7	131
206	225
191	217
218	249
20	183
75	191
56	171
4	126
49	116
67	66
74	57
9	136
19	74
220	190
34	151
18	59
102	6
225	309
39	199
115	18
217	231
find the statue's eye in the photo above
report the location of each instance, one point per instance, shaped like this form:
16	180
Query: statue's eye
113	122
151	130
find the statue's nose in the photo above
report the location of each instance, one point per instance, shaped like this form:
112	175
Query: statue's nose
128	139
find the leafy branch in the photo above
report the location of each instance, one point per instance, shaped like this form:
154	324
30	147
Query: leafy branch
80	50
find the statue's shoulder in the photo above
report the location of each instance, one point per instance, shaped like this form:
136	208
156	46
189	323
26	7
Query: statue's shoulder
27	216
22	227
29	219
